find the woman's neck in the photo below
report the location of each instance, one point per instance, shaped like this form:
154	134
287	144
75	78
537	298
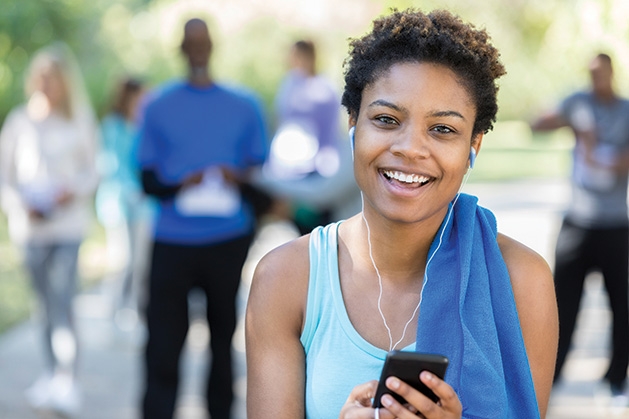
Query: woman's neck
399	251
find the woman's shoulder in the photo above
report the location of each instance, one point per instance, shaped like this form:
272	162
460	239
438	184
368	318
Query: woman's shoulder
531	278
279	287
521	259
291	256
285	268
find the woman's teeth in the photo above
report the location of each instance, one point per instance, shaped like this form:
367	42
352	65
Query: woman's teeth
406	178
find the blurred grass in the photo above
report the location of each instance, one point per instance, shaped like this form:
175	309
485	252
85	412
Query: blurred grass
508	152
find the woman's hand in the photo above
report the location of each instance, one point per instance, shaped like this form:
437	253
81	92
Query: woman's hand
36	215
448	406
64	197
358	404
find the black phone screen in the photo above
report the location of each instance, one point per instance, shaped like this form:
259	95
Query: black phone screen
407	366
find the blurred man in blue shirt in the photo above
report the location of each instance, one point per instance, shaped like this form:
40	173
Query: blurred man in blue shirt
199	140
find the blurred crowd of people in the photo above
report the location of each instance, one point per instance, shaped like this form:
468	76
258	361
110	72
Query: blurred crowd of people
181	176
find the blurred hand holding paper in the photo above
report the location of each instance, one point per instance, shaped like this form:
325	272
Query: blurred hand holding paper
213	197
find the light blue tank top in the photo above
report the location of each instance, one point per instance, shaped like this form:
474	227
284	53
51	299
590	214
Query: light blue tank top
337	357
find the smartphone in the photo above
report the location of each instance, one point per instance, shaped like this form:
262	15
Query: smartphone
407	366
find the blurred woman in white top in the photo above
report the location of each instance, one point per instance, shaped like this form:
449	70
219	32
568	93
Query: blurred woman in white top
48	177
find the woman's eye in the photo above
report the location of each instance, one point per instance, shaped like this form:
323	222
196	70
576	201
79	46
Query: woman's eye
443	129
386	119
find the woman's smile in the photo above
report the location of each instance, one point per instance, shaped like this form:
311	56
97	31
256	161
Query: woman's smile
410	179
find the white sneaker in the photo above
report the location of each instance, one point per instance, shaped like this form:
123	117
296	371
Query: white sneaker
39	395
66	398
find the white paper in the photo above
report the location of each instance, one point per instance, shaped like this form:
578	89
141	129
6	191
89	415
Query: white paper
212	197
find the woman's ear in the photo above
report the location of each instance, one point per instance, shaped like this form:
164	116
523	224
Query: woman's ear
351	120
474	149
477	140
352	130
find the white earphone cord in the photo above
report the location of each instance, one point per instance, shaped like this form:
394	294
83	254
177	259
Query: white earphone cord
425	280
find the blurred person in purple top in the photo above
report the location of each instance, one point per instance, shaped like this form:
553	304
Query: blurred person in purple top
306	142
308	98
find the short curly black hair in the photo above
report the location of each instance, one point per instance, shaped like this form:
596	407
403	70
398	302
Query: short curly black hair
439	37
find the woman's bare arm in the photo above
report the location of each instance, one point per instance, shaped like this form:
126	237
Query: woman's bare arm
534	292
274	318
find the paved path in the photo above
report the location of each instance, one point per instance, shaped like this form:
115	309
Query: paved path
110	362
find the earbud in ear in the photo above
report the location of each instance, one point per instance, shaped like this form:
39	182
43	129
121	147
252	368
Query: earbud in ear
351	139
472	157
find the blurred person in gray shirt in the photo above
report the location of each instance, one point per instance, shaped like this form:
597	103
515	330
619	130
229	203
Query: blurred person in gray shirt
594	234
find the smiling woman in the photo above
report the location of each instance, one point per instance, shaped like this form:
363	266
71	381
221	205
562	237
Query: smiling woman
422	267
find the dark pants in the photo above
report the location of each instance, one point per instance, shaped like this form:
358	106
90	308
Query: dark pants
175	270
579	251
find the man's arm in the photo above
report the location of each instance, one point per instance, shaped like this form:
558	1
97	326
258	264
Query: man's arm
586	135
153	185
549	121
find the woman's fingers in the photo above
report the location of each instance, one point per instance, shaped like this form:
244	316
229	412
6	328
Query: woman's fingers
448	398
362	394
359	402
449	405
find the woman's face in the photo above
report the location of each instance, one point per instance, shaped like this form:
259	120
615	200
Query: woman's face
49	81
413	137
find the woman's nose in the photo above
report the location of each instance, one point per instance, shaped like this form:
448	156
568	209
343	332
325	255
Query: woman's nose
412	143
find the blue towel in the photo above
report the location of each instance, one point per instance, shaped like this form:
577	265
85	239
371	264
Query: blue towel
468	314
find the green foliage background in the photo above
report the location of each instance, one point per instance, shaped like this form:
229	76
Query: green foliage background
545	45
